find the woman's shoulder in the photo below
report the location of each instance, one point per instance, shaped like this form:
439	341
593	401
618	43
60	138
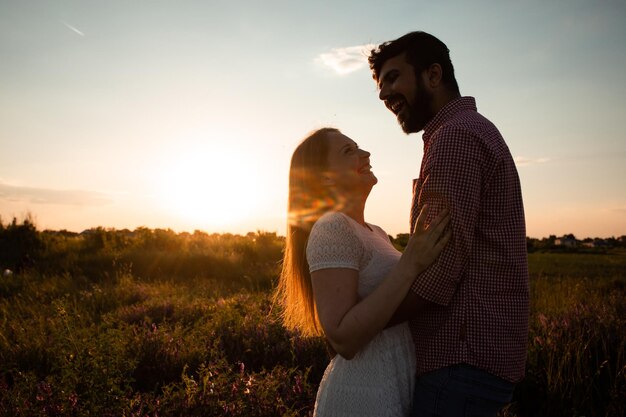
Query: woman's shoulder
338	222
334	227
332	217
332	220
379	231
333	244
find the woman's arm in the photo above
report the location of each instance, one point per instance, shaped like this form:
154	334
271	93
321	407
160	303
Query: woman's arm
349	324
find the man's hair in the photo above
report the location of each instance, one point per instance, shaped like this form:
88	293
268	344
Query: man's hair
422	50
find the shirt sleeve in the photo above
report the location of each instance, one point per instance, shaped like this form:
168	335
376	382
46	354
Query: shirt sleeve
452	178
333	244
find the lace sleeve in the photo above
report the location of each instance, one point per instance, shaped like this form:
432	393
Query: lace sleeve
333	244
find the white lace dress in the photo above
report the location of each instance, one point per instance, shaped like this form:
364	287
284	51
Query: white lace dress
379	380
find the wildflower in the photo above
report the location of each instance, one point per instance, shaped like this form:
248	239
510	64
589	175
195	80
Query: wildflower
297	387
44	390
73	399
542	319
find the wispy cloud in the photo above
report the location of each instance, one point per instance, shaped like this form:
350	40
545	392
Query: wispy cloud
15	193
72	28
346	60
522	161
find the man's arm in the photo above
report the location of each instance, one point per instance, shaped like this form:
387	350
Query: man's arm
452	179
410	307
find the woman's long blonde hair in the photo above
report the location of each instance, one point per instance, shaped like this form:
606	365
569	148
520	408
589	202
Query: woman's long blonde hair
309	199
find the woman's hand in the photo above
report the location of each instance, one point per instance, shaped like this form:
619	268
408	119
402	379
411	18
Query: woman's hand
426	243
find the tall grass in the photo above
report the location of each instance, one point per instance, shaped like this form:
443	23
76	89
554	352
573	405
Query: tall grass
577	348
188	330
159	348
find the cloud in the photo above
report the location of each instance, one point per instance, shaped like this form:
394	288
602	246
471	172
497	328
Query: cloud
522	161
346	60
72	28
34	195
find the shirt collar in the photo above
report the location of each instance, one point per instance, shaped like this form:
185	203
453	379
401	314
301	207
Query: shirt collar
446	113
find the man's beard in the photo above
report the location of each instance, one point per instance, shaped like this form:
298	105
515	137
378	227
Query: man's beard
420	112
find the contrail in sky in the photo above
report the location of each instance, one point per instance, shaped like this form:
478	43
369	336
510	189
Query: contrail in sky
72	28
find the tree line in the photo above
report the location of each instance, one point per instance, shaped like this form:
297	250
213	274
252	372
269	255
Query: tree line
154	253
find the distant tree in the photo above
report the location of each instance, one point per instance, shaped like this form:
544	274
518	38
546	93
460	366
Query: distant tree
21	245
166	239
401	240
532	244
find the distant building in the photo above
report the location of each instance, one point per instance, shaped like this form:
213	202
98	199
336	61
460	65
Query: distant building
565	241
597	243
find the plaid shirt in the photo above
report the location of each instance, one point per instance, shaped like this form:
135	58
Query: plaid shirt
479	284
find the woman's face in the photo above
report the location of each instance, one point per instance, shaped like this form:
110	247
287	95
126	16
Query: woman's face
349	168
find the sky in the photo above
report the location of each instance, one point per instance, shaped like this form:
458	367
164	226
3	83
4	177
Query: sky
184	114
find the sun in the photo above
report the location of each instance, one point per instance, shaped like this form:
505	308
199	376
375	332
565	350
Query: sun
213	188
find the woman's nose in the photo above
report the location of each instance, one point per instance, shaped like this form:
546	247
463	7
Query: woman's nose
365	154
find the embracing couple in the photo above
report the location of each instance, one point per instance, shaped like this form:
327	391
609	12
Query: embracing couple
440	329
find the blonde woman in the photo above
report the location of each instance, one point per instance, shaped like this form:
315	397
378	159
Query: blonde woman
343	279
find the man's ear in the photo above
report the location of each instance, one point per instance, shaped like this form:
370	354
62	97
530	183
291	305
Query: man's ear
433	75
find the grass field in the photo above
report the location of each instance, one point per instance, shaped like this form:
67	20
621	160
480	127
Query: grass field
161	338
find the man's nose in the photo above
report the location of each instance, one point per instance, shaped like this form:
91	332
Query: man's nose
383	94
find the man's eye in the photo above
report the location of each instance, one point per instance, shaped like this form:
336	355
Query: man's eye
389	79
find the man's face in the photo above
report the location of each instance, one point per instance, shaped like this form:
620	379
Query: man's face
405	94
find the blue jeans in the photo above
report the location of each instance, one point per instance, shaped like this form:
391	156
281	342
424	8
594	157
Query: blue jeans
460	391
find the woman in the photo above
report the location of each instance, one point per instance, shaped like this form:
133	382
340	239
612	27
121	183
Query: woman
343	279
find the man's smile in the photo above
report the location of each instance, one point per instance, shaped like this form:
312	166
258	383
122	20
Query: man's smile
396	104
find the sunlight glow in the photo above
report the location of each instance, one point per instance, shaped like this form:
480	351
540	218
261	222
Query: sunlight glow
211	188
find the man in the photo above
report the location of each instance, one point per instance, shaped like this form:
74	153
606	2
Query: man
469	311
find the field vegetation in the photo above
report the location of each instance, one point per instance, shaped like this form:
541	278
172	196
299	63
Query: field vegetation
157	323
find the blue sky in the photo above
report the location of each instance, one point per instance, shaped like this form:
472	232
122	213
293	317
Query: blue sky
184	114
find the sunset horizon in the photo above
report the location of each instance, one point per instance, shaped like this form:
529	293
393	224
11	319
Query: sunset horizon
185	117
238	230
